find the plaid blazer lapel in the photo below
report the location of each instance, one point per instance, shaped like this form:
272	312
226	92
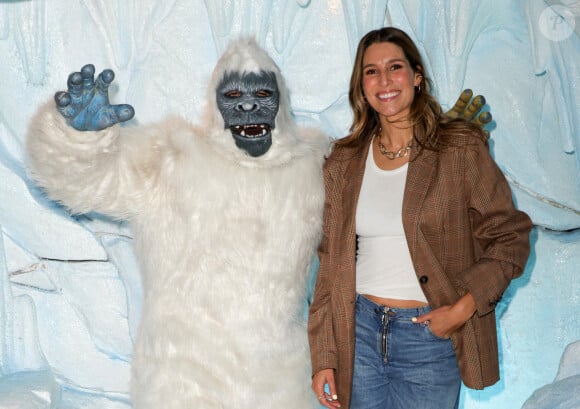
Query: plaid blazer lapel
420	175
352	182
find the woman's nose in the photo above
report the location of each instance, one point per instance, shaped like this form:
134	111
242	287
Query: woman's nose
385	78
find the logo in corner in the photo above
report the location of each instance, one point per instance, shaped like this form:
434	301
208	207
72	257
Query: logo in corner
557	22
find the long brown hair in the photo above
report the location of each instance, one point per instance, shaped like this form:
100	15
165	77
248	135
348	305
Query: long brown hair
426	115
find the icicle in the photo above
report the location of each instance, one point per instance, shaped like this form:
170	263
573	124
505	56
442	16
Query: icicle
31	39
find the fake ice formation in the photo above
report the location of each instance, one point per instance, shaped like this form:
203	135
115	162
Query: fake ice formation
69	287
564	391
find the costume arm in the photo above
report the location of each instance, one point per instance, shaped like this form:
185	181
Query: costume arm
499	229
78	154
320	331
105	171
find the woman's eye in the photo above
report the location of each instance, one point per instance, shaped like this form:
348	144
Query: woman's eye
395	67
370	71
263	93
233	94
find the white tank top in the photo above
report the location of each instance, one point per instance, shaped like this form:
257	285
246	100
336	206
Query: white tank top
383	264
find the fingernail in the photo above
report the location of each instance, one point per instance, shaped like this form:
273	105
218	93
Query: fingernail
335	396
414	319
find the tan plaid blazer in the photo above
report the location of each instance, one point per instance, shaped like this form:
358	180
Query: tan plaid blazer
463	232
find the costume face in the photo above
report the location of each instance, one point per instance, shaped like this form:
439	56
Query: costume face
388	80
249	103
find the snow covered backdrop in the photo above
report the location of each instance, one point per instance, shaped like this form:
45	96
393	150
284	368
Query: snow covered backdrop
69	287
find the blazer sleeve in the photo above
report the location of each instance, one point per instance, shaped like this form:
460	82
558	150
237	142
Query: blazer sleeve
320	331
500	230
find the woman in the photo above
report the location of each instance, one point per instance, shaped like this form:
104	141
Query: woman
421	239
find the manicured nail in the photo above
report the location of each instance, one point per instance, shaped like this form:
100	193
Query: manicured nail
335	396
414	319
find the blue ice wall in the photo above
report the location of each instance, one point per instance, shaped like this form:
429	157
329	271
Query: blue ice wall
69	287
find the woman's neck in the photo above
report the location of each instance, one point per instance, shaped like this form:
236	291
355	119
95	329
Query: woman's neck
395	135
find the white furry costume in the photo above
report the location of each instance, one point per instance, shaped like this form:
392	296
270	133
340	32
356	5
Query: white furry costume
224	241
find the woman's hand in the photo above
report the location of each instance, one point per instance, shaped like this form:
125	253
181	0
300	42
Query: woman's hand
319	380
445	320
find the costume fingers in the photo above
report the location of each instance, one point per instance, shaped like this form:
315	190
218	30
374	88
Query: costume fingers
88	77
62	98
74	85
483	118
110	115
123	112
104	80
474	107
460	104
63	104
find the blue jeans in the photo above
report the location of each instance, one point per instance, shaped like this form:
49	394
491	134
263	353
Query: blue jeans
399	364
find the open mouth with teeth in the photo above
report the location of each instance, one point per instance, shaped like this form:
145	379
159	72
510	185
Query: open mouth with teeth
255	139
252	131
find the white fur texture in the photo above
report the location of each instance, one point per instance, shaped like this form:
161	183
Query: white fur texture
224	241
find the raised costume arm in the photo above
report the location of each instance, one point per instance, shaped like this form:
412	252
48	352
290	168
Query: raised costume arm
81	159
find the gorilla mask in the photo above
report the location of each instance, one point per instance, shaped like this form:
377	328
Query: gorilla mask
248	103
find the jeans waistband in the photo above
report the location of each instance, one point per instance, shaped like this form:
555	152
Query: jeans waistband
371	306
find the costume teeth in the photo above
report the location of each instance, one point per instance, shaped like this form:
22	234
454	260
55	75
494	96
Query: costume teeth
252	130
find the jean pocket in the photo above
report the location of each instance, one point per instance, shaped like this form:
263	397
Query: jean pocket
435	336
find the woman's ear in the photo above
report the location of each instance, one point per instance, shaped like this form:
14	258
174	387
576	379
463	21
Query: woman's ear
418	79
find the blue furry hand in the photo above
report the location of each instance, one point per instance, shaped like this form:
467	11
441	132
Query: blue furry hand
86	105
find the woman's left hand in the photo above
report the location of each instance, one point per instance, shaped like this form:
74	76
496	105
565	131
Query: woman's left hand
445	320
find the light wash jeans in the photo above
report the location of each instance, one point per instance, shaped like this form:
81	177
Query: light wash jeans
399	364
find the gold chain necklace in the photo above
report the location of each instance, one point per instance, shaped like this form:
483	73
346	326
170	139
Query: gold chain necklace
401	153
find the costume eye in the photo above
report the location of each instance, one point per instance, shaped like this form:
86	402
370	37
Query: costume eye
264	93
233	94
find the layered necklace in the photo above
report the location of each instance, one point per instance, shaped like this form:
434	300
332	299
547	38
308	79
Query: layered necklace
401	153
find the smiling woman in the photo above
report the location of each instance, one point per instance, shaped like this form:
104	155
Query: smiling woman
421	238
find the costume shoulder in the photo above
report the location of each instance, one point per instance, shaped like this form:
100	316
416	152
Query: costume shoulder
314	141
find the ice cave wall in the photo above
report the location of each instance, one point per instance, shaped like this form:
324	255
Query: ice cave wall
69	286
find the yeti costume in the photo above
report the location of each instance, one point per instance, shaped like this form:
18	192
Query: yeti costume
224	241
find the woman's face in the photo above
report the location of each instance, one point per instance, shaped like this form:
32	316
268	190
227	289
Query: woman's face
388	81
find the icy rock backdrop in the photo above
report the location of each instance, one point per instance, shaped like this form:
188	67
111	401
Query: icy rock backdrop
69	286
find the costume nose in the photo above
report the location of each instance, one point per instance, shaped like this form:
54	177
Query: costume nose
247	106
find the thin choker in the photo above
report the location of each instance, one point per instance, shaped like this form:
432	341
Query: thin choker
401	153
